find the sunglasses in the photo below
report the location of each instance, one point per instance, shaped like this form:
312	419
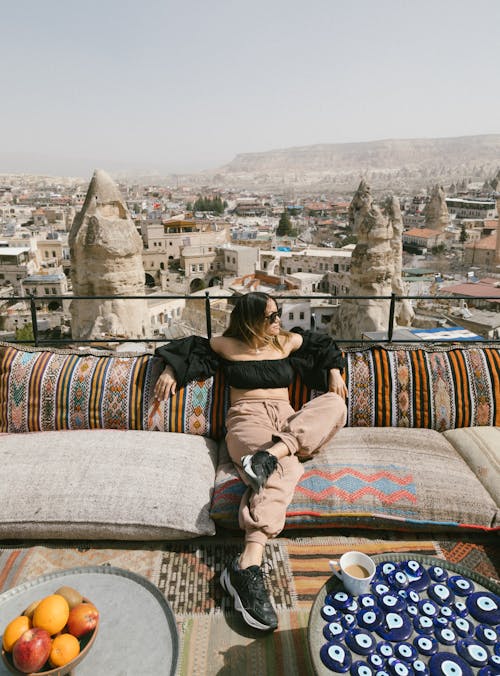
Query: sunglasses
273	316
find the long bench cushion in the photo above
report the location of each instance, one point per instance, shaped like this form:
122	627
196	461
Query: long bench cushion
377	478
52	389
480	448
106	484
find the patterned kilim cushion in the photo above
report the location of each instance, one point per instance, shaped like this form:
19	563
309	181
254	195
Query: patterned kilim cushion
437	386
375	478
45	390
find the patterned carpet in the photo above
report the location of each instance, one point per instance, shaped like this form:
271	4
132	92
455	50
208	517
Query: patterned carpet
214	640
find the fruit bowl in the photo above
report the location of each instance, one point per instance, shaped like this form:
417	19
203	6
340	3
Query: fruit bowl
86	643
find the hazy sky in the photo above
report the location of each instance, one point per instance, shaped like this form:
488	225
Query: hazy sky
184	85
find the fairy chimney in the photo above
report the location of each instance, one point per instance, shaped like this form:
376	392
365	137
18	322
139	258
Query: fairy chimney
372	267
436	211
106	260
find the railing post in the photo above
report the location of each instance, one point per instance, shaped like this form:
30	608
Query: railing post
392	310
208	315
34	322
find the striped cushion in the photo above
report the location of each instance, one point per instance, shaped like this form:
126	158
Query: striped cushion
437	386
45	390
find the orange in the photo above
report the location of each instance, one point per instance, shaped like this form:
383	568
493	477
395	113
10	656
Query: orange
65	648
51	613
14	630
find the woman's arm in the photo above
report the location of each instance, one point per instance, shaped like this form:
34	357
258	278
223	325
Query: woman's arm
336	383
166	383
319	362
185	359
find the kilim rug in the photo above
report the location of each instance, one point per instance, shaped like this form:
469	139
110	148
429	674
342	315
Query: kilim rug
214	640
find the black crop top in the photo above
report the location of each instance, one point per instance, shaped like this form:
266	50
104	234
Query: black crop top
253	375
192	358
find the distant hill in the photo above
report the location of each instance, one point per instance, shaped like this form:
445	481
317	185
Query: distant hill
390	163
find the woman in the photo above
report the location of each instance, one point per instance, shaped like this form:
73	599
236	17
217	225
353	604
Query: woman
266	438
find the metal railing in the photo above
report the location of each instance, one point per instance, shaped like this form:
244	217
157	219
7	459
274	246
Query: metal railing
32	299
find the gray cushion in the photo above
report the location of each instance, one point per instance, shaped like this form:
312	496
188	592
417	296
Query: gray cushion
106	484
480	448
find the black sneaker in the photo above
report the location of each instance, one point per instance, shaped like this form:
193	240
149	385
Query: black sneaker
258	468
246	586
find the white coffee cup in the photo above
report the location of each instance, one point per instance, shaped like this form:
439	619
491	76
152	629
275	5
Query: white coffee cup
356	570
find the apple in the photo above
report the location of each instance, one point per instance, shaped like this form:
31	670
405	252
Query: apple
82	619
31	650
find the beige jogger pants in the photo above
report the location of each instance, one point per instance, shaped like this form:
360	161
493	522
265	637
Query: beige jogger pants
256	424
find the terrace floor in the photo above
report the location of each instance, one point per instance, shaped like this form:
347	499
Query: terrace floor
213	638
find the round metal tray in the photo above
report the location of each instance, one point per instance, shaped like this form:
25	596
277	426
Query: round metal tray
316	622
137	630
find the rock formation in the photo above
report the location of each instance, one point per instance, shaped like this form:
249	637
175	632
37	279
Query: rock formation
436	212
106	259
404	311
372	268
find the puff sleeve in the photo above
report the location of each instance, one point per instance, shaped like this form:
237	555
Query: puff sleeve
191	358
316	356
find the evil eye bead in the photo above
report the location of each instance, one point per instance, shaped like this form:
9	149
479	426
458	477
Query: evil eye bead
336	657
494	662
420	668
386	568
484	607
487	671
360	641
423	624
406	652
367	600
473	652
348	621
395	627
333	631
426	645
380	588
459	608
462	586
446	636
428	607
441	594
413	596
448	664
370	618
385	649
360	668
399	668
398	579
352	607
413	568
382	672
438	574
340	600
440	622
329	613
486	634
412	610
448	613
463	627
391	603
375	661
418	582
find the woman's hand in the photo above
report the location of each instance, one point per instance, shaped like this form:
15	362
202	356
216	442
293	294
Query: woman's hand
336	383
166	384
